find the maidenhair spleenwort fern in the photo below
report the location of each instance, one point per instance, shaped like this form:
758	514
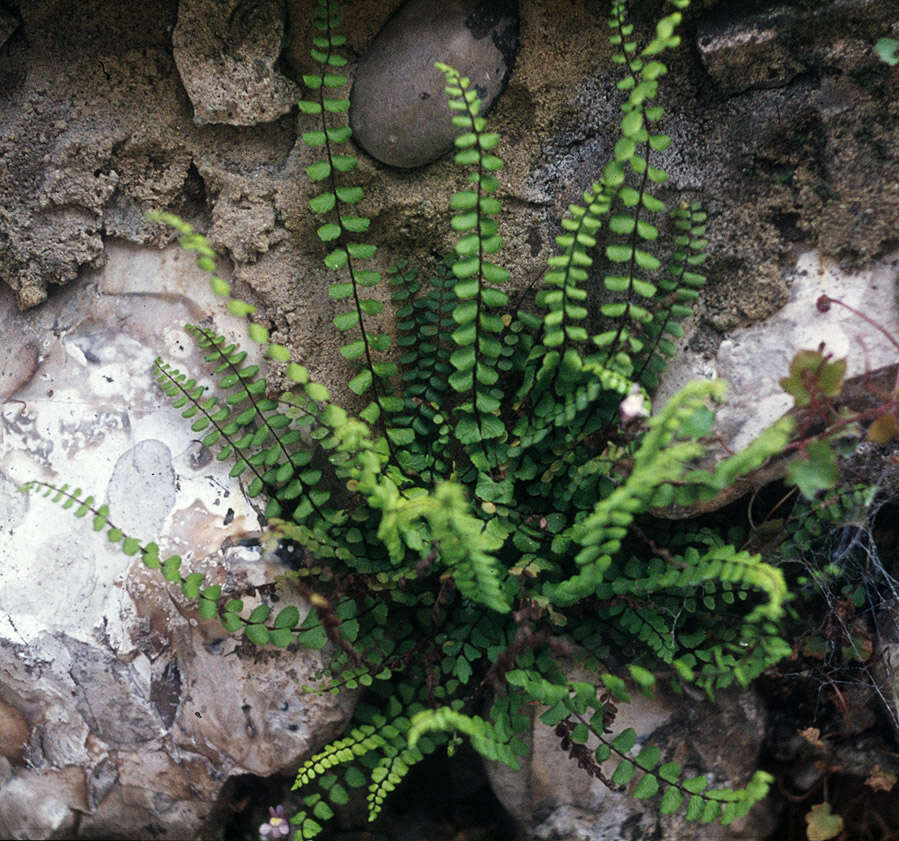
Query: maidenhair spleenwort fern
485	528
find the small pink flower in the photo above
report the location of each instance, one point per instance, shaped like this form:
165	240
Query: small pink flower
277	826
632	406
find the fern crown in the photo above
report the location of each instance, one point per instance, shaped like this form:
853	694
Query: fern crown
480	527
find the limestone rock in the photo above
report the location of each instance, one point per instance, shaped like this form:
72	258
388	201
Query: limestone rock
398	108
123	714
552	798
227	52
753	359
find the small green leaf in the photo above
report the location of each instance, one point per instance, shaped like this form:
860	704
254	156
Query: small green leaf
231	622
671	801
622	224
669	772
349	195
370	306
887	50
619	253
353	350
647	787
346	320
207	609
467	430
646	261
318	171
649	757
257	634
336	259
696	784
314	138
361	382
287	618
815	470
624	773
260	613
625	740
190	586
632	123
354	778
328	232
339	291
314	638
465	200
281	637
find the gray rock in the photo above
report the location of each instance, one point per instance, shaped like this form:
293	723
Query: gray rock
227	52
398	108
886	661
551	798
9	23
18	361
741	53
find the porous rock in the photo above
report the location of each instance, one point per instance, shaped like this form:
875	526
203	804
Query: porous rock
227	53
552	798
754	51
123	714
398	109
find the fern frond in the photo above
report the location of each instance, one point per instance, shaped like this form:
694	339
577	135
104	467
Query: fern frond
466	547
701	484
561	296
482	734
651	780
337	203
210	602
663	457
478	332
627	179
678	285
424	323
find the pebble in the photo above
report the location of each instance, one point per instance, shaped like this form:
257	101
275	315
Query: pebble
398	108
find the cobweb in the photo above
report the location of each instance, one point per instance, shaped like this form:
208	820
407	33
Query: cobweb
849	590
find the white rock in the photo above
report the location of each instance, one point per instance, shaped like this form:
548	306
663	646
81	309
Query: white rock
134	715
754	359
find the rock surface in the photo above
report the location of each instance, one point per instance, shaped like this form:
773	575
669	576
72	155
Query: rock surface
123	714
553	799
754	359
755	51
96	128
227	55
398	106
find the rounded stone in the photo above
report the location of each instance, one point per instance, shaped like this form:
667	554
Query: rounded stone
398	108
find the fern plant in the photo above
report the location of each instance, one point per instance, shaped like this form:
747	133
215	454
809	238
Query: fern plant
484	525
